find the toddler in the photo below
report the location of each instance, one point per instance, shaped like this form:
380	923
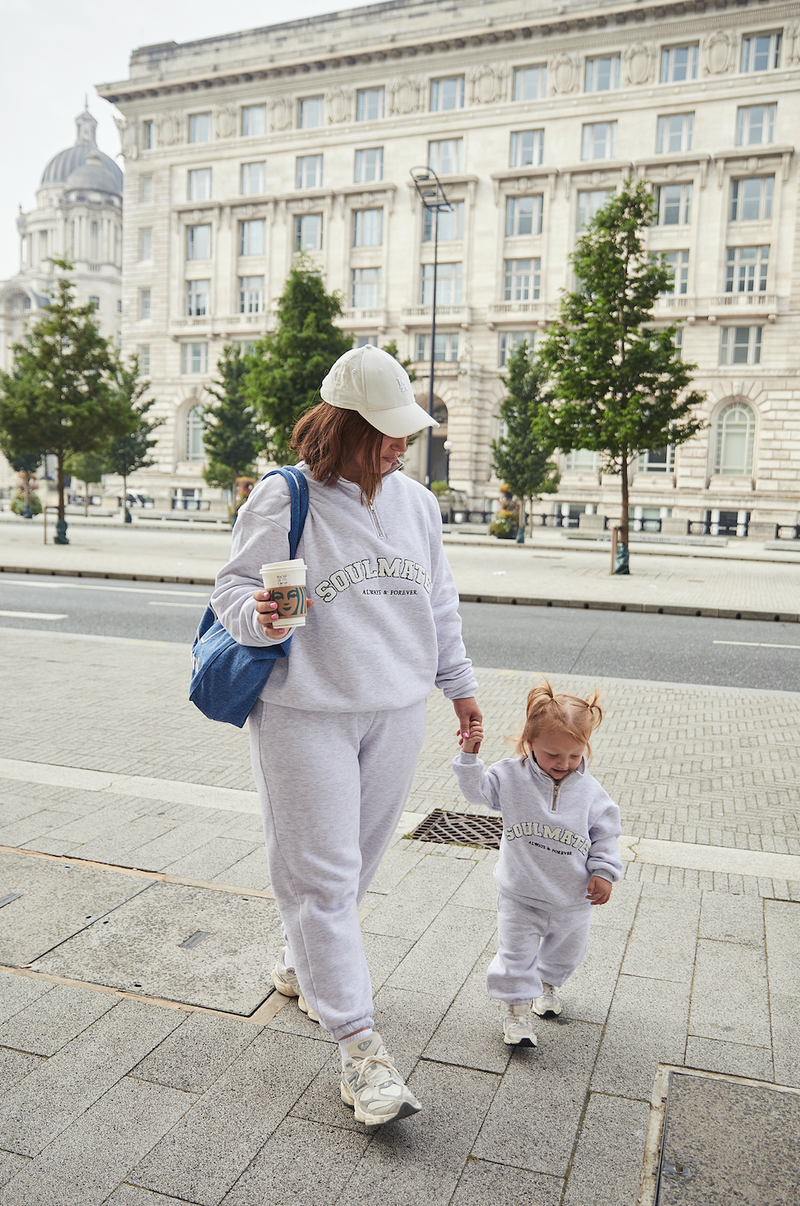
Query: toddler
558	853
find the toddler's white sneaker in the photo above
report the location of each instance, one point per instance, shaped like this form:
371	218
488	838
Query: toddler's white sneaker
518	1026
548	1002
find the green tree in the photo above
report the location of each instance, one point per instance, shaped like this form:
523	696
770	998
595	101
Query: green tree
131	452
87	467
618	384
287	366
518	457
231	435
59	396
26	466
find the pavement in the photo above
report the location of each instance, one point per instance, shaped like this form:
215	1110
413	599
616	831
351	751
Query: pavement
144	1060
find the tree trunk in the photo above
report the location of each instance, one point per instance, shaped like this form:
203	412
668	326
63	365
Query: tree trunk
621	554
60	481
86	500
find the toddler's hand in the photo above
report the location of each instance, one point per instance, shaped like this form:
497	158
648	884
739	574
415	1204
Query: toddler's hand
599	890
471	742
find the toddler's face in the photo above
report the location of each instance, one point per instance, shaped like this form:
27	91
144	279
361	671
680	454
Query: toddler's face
557	753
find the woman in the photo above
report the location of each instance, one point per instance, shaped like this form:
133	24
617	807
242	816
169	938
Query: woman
337	732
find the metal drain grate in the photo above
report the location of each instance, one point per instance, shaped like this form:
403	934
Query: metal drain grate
459	829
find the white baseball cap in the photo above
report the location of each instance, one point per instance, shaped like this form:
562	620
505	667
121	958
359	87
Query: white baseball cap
372	382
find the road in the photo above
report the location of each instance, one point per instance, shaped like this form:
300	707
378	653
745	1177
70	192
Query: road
571	641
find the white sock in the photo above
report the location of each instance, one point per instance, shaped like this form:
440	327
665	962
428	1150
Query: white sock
344	1043
288	961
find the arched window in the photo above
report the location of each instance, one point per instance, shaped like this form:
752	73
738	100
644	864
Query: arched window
736	428
194	435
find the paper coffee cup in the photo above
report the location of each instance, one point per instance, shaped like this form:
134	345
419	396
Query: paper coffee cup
286	582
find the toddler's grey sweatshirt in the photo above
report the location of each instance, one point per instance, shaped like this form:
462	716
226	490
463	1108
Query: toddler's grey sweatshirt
385	626
556	836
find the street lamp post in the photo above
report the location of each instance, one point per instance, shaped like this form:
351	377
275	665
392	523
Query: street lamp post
432	195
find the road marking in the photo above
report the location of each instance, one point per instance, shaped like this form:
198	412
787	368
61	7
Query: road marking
758	644
128	590
33	615
163	603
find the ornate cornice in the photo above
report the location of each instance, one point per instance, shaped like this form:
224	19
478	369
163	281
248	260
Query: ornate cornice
387	52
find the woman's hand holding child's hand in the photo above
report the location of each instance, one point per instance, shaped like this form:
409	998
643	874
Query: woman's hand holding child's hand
471	742
599	890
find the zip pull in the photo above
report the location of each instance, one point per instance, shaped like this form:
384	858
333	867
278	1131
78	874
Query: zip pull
556	787
378	528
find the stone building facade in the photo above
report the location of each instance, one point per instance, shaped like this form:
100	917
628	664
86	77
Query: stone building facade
242	149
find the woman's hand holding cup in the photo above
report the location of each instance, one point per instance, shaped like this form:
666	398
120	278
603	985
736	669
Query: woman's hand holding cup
267	613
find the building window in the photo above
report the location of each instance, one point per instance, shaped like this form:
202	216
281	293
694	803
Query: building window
599	140
194	434
447	94
198	242
194	357
746	269
94	241
761	52
451	223
199	184
251	294
253	178
657	460
308	172
751	198
511	341
448	284
678	261
254	120
740	345
119	305
755	124
583	460
679	63
602	74
530	83
144	303
446	156
146	244
674	133
364	341
527	148
590	202
370	104
368	228
197	298
200	127
369	165
521	280
366	288
445	347
308	232
736	429
524	215
94	302
146	189
251	237
310	112
147	136
143	353
673	205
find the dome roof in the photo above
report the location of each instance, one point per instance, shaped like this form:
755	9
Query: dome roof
65	163
95	174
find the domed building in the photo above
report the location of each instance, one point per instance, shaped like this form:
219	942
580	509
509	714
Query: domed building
79	214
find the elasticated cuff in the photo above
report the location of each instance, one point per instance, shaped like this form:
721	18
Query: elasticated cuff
340	1032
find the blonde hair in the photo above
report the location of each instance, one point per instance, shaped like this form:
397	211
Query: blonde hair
547	712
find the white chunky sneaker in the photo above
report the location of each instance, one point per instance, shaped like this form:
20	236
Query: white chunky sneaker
285	980
518	1026
372	1085
548	1002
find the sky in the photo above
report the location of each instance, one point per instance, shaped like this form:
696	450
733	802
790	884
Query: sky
52	53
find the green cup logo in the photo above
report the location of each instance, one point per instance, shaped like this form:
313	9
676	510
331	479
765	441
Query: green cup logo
291	601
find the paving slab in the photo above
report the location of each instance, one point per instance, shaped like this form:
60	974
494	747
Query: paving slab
18	992
139	948
56	901
732	1059
546	1086
467	1035
611	1139
733	919
730	995
417	899
132	1195
785	1018
728	1142
10	1165
50	1022
15	1066
196	1054
662	945
444	955
783	946
486	1184
646	1027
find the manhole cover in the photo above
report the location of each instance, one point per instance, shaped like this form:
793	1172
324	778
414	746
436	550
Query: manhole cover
728	1142
459	829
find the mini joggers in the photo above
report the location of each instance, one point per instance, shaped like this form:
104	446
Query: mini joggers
332	788
535	943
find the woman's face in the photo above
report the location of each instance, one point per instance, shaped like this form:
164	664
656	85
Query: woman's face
392	447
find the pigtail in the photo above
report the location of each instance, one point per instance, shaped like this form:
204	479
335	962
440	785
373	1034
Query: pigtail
546	711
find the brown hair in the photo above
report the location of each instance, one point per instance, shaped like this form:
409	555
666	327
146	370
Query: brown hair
326	437
547	712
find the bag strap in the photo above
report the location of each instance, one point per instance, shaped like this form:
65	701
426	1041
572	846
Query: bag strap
298	494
